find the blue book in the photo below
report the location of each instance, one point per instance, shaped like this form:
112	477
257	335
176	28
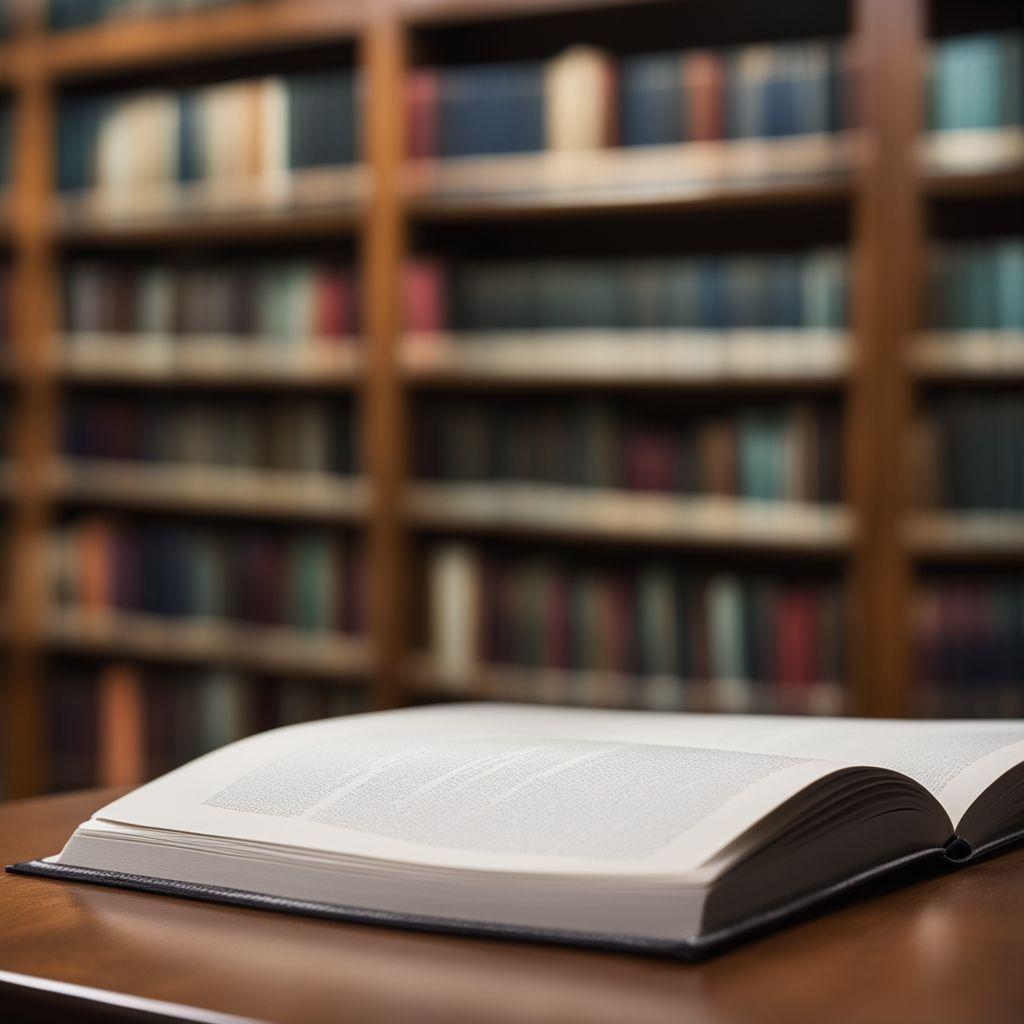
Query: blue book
651	100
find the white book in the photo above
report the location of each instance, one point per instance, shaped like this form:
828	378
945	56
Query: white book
648	831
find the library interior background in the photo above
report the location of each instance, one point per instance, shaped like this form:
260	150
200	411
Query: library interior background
662	354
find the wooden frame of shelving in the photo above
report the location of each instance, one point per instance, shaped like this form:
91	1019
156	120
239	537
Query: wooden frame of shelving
875	545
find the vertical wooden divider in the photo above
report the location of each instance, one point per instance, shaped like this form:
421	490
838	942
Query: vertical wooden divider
383	64
889	37
34	420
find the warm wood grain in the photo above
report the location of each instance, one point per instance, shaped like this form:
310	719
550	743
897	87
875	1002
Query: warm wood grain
945	948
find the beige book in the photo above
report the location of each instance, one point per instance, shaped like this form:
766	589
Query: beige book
579	100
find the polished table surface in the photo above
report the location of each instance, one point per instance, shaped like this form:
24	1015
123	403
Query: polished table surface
945	947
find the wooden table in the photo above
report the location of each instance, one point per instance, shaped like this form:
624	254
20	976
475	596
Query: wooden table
949	947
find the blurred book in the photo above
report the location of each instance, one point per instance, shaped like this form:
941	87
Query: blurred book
587	99
233	144
309	581
649	635
782	452
120	724
975	103
968	640
313	436
71	14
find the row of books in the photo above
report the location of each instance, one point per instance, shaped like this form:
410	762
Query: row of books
586	98
977	81
239	131
969	450
969	647
70	14
309	436
119	724
288	300
779	290
977	285
307	580
779	452
678	638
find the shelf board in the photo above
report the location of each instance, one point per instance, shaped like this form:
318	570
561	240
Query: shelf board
257	649
961	536
973	162
968	355
215	362
801	169
699	360
609	689
115	47
212	490
629	518
439	11
321	202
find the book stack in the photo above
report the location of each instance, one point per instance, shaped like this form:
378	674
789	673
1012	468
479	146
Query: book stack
69	14
969	450
304	580
230	144
969	645
121	725
783	452
588	99
650	635
977	286
314	436
794	290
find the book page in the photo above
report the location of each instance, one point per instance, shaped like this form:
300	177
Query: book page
439	787
955	761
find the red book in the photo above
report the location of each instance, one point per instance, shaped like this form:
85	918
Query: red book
796	650
423	284
703	96
122	724
421	106
556	641
335	306
649	461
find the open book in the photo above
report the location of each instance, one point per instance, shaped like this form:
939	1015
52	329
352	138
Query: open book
663	832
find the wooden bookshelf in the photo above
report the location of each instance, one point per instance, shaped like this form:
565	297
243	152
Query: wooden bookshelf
194	362
271	650
629	518
871	176
952	356
211	490
627	359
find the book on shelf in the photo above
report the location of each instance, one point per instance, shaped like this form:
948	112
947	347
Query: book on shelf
968	643
317	437
655	634
587	99
233	145
308	581
704	299
118	724
782	452
63	15
976	102
969	450
670	834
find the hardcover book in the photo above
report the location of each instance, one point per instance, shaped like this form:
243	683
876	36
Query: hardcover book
663	833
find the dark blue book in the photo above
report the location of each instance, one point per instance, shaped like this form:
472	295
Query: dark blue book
322	119
651	100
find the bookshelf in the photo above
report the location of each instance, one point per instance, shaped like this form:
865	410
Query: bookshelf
857	187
